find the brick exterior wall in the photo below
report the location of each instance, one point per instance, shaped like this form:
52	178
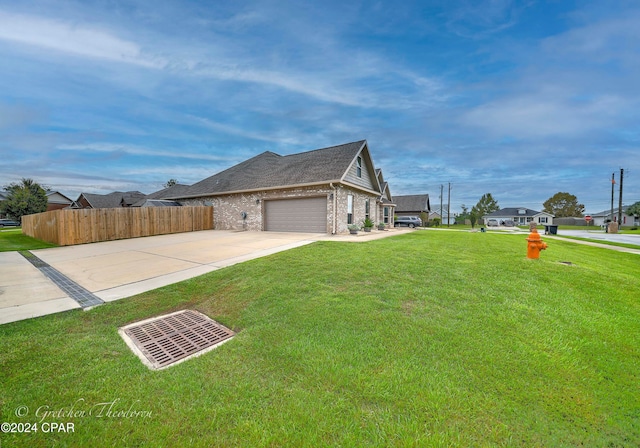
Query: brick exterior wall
228	208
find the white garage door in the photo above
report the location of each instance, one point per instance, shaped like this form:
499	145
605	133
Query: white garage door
296	215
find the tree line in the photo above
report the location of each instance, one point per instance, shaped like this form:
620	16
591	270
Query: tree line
27	197
561	205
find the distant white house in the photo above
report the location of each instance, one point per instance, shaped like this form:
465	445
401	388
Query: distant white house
600	219
520	216
444	218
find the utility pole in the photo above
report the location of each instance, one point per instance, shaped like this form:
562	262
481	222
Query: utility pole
441	215
613	182
449	206
620	201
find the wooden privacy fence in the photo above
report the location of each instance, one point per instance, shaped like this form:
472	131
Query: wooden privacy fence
69	227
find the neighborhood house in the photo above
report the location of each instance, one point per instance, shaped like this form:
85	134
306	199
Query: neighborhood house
412	205
323	191
604	217
520	216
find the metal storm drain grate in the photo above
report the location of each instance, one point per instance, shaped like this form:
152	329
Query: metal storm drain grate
84	297
165	340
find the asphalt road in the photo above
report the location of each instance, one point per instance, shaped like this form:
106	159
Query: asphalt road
601	236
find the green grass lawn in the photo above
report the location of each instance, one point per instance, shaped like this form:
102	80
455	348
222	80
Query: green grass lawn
13	239
425	339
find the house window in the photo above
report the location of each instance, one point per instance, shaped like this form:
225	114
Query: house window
359	166
529	219
349	209
366	208
543	220
386	215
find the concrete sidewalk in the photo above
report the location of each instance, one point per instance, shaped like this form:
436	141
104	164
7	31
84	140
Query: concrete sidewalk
25	291
113	270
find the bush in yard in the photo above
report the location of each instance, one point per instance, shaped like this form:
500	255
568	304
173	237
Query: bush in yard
25	198
424	217
634	210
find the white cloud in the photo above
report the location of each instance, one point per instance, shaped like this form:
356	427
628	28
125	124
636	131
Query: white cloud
71	38
556	110
319	73
477	19
139	151
243	132
12	117
602	40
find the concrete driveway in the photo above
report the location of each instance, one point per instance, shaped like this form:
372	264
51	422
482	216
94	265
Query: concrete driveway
114	270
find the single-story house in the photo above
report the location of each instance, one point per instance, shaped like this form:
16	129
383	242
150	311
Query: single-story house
412	205
57	201
520	216
323	191
600	219
444	218
111	200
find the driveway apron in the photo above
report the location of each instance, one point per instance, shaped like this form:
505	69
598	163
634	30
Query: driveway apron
112	270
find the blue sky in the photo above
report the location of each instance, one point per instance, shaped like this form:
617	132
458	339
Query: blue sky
521	99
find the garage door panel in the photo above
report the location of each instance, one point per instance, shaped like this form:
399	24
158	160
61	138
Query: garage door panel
296	215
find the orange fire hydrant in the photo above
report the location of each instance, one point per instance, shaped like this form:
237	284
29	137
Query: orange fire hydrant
535	244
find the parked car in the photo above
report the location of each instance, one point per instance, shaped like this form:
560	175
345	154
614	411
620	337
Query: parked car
9	223
409	221
509	223
492	223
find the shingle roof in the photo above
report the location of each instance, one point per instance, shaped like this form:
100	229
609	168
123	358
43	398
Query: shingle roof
131	197
168	192
112	200
412	203
513	211
270	170
156	203
608	212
